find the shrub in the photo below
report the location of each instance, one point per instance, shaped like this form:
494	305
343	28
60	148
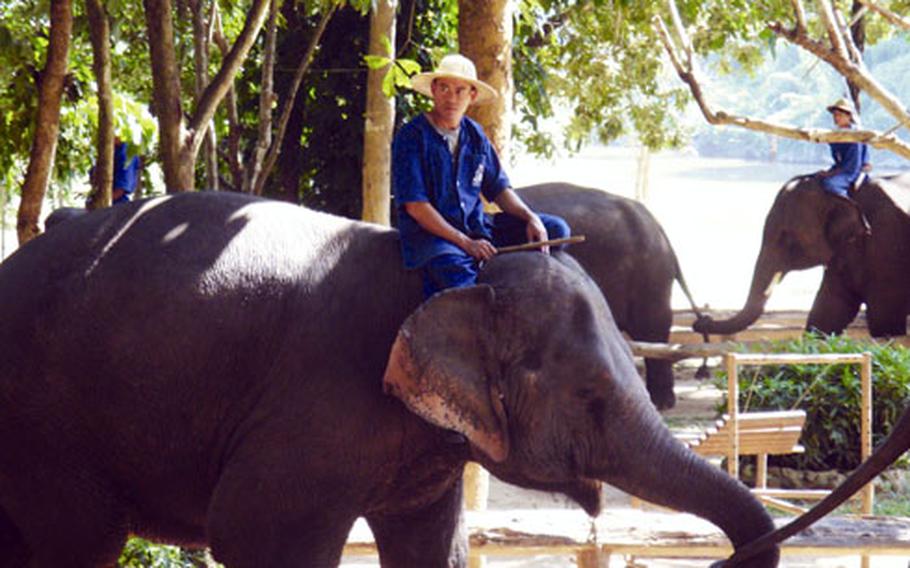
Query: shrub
140	553
830	395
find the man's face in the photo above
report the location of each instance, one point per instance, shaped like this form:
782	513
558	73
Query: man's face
451	99
841	118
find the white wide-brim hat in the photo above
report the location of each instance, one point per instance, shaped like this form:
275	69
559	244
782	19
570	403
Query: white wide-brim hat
454	66
842	105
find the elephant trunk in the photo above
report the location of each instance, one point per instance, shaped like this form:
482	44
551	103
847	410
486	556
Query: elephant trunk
764	278
656	467
893	447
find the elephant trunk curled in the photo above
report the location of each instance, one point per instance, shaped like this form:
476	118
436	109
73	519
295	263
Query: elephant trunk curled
764	278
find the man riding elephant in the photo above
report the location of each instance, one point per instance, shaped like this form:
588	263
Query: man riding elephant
442	162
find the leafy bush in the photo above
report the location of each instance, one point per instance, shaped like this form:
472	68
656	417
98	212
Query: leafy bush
140	553
830	395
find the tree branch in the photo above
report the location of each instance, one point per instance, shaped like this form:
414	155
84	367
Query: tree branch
853	72
886	141
222	81
291	98
895	19
266	100
800	14
826	13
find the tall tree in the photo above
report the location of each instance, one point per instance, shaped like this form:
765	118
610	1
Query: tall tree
485	37
179	141
379	120
102	177
47	121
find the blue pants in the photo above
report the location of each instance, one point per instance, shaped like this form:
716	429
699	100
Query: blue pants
458	270
838	185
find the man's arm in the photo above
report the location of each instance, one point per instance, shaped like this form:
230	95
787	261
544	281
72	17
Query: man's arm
510	203
431	221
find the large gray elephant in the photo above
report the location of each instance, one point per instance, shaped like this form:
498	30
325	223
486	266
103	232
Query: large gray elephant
863	242
216	369
630	257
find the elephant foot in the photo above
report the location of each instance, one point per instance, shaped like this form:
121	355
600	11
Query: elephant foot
664	401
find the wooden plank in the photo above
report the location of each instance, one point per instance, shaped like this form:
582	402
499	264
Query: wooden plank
653	534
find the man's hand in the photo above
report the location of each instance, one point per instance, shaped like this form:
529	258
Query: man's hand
479	249
537	232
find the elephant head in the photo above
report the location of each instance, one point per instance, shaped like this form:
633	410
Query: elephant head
805	227
530	368
897	442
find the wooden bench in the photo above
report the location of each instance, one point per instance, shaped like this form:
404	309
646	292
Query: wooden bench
760	434
777	432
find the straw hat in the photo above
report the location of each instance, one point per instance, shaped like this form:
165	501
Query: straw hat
842	105
454	66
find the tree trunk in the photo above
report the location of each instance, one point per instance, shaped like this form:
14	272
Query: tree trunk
201	73
380	120
166	95
266	99
103	173
485	37
47	121
858	33
179	144
290	98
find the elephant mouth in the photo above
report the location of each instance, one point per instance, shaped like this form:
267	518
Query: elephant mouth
588	493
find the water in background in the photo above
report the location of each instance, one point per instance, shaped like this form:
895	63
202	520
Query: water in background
712	209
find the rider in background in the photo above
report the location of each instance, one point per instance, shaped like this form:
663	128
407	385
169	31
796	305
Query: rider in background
851	159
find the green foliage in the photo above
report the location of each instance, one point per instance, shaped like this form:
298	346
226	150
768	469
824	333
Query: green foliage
398	75
830	395
140	553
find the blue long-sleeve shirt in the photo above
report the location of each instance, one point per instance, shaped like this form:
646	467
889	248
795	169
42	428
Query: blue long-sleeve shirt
423	170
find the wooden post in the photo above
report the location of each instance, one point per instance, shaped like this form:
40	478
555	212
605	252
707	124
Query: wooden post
732	410
761	471
476	487
866	426
592	558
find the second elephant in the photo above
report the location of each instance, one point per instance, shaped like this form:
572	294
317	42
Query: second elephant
630	258
863	242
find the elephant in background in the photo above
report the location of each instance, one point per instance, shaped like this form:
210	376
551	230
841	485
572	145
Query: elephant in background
630	258
214	369
863	242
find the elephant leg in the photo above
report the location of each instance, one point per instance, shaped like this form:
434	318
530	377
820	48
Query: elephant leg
59	519
14	552
433	537
886	310
259	518
652	323
834	307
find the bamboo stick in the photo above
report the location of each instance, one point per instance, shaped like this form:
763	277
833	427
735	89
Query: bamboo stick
574	239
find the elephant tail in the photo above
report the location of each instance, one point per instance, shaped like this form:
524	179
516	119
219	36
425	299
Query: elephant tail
682	281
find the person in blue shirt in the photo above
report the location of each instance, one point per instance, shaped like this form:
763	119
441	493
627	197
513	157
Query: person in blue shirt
442	162
851	159
126	173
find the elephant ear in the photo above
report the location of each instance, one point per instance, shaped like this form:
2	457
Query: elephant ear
845	223
438	367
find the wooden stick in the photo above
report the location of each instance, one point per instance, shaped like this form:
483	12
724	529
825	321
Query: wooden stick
538	244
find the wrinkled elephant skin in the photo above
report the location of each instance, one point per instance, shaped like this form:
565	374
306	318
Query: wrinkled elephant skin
863	242
628	255
213	369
